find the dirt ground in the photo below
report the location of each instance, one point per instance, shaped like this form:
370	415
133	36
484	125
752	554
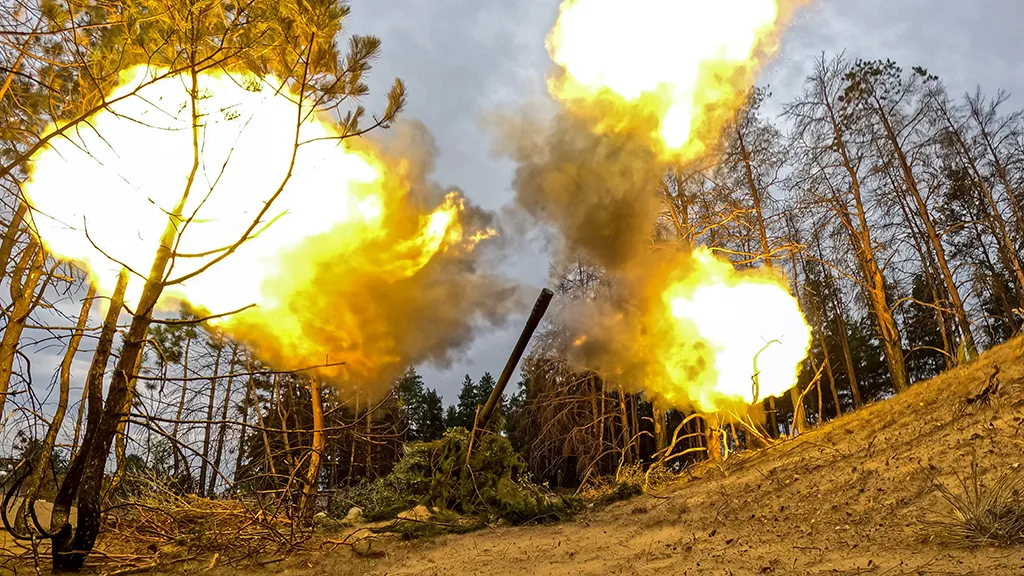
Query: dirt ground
43	510
853	497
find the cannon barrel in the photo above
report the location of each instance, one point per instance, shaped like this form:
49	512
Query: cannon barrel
539	309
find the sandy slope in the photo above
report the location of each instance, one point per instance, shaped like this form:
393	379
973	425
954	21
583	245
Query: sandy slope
846	499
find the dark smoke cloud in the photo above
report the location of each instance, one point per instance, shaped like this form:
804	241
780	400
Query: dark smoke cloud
597	191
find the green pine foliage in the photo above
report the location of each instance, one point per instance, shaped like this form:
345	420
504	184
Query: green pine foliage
493	486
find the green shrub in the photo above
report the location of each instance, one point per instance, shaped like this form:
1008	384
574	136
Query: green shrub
493	486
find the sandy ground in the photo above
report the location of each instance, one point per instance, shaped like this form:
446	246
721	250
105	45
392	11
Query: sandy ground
42	513
853	497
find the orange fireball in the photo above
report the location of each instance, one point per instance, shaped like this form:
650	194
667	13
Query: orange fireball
681	61
101	195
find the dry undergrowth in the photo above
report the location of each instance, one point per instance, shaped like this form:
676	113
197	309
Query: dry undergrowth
982	514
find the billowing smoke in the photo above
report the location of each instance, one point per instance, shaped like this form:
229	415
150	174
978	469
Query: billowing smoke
595	190
685	328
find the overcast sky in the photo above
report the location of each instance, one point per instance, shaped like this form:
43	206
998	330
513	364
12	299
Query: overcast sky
462	59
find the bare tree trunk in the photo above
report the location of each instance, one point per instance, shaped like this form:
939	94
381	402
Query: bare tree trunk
283	411
92	392
714	436
597	415
208	428
762	231
660	434
352	455
821	403
627	434
927	265
860	238
180	462
975	105
84	479
799	412
637	454
24	281
909	179
30	489
1007	250
317	450
249	400
369	445
773	418
11	237
121	447
267	452
222	433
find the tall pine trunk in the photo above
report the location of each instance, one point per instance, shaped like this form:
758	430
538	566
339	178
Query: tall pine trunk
910	181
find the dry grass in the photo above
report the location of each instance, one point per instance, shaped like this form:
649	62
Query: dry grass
980	514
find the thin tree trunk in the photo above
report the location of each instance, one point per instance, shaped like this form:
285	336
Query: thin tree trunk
773	418
762	231
30	489
84	478
1007	250
208	428
23	297
998	163
844	340
180	462
799	412
352	455
11	237
317	450
121	448
860	236
637	453
821	404
627	435
660	434
828	366
910	180
267	452
714	437
245	422
92	392
369	445
222	433
927	263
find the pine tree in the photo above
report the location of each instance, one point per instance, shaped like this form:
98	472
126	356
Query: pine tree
469	400
926	356
430	419
451	417
410	393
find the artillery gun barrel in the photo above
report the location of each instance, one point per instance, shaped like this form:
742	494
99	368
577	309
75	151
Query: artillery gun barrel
539	309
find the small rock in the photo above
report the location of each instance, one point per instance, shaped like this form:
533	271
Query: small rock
420	513
353	516
364	548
